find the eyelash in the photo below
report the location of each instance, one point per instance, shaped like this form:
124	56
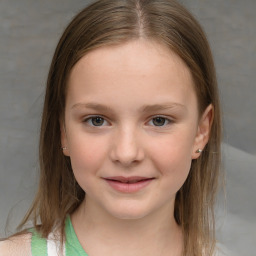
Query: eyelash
89	120
167	121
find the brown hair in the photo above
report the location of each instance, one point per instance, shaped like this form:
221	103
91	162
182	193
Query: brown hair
109	22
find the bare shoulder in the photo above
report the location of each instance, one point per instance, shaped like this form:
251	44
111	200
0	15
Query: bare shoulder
19	245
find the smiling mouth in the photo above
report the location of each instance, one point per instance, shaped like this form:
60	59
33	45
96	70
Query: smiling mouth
128	180
128	184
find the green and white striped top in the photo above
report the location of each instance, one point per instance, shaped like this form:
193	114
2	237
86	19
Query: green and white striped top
49	247
72	247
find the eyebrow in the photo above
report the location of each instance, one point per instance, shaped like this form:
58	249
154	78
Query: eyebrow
158	107
144	108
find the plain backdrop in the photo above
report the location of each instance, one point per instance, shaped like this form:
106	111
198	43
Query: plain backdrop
29	31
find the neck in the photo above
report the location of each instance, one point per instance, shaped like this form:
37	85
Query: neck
154	234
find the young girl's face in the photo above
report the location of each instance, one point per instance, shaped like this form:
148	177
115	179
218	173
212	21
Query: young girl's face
132	127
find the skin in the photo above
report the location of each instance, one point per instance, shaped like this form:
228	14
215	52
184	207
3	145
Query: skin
128	80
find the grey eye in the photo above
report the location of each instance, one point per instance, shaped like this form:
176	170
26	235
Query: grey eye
97	121
159	121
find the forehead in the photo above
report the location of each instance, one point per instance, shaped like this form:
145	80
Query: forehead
145	69
141	55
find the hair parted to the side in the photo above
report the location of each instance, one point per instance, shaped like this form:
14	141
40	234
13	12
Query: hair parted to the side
109	22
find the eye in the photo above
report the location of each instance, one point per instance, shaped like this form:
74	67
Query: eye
159	121
95	121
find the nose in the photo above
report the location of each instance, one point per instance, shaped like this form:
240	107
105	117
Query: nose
126	148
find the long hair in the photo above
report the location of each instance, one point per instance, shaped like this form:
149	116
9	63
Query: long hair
112	22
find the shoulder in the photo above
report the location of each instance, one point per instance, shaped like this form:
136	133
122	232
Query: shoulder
19	245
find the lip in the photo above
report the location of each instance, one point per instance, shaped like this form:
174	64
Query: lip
128	184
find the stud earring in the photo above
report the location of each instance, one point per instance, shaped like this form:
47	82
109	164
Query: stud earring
199	151
64	148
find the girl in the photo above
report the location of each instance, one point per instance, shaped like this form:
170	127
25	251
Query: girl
130	137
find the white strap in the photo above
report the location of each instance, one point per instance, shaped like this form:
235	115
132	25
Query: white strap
53	246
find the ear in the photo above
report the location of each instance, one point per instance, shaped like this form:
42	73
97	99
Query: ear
203	131
63	137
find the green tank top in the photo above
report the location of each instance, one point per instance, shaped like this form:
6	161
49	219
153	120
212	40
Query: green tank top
48	247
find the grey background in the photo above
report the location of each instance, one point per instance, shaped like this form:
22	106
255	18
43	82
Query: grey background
29	31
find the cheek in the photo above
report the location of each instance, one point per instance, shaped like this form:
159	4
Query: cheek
172	160
172	157
87	154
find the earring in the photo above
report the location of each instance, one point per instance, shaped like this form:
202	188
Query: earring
199	151
64	148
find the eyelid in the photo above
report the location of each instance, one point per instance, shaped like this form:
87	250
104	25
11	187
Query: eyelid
170	120
89	117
